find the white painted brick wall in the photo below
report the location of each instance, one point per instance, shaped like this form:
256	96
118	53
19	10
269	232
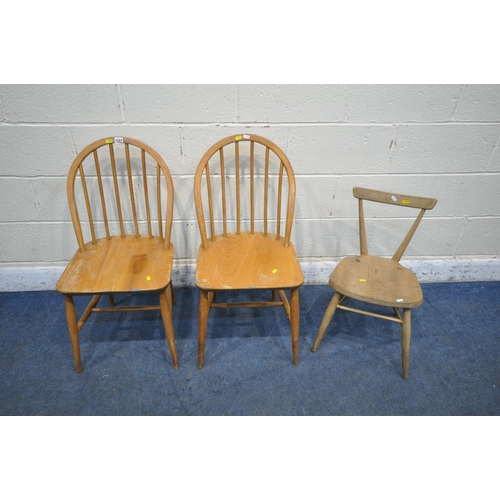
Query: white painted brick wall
429	140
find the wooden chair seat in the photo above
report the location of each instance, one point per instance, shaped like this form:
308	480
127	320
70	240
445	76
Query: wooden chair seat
120	264
377	280
242	261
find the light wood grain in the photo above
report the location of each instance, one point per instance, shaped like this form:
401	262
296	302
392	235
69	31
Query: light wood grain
122	263
247	260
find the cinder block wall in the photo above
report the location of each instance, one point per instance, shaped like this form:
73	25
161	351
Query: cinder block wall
429	140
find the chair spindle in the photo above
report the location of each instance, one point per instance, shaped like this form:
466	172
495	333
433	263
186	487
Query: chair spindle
146	194
117	191
131	189
101	192
87	203
223	187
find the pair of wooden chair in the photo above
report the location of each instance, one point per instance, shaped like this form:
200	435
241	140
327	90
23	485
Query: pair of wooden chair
244	192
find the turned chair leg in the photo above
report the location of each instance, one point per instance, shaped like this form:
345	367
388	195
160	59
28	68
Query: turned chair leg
73	330
294	320
172	294
166	316
405	341
330	311
203	311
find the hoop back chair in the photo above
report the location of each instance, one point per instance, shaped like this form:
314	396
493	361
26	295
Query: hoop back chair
378	280
126	192
238	189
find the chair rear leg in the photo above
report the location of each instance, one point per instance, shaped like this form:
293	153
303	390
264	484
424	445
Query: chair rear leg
172	295
405	341
166	315
330	311
73	330
294	320
203	310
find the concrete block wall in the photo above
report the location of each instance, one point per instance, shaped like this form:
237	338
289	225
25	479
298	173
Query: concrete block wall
429	140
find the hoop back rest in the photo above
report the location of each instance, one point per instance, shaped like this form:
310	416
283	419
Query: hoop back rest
239	183
411	201
124	184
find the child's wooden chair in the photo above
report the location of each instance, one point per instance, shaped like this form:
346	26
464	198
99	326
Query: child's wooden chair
248	174
378	280
119	196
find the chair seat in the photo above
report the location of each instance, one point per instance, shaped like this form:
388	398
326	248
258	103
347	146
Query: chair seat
120	264
248	260
377	280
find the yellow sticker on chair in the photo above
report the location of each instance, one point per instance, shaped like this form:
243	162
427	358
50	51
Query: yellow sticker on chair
238	138
109	141
362	280
148	278
275	271
405	202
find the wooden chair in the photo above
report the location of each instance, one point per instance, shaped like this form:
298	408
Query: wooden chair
247	177
124	187
378	280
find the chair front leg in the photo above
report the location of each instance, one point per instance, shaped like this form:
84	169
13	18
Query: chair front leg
330	311
203	310
73	330
405	341
166	316
294	320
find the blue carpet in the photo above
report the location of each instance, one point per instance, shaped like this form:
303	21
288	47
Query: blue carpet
454	359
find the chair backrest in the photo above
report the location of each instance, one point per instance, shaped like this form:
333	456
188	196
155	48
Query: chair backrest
243	187
123	186
391	199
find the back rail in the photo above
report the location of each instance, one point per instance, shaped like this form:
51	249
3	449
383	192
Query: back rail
252	188
266	189
131	189
117	191
210	202
158	202
146	193
223	188
101	193
87	203
278	214
237	180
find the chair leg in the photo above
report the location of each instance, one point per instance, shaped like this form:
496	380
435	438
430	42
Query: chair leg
166	315
73	330
203	310
330	311
295	318
172	295
111	300
405	341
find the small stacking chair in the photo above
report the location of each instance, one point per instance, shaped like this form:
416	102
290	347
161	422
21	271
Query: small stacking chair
240	191
378	280
124	188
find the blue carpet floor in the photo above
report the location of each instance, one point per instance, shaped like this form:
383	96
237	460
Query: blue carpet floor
454	359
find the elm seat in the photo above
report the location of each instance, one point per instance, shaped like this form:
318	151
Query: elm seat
379	280
243	186
124	187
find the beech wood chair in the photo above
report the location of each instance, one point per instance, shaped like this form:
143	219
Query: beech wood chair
378	280
248	176
124	187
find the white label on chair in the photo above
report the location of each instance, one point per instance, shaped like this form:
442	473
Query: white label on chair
393	198
119	140
400	300
246	137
